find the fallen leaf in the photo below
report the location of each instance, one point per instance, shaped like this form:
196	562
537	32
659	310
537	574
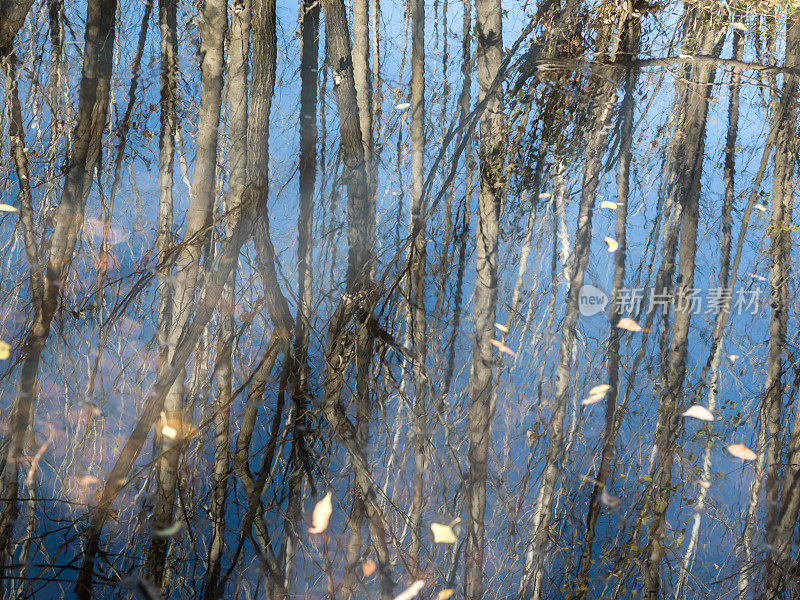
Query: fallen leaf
608	204
544	195
704	484
455	521
444	594
760	207
733	357
321	515
412	590
600	390
611	243
742	451
368	567
758	277
698	412
402	106
503	348
608	499
592	400
629	325
740	27
443	534
5	350
168	531
8	208
501	327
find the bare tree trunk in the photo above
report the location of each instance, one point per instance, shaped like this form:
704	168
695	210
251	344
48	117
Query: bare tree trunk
68	219
12	17
212	26
630	31
481	412
309	53
237	67
417	259
685	192
781	525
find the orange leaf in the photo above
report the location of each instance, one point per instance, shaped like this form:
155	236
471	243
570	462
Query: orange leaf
742	451
501	347
368	567
629	325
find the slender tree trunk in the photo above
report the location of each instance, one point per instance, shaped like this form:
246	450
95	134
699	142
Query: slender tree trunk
781	525
417	256
12	17
212	25
68	219
481	412
686	193
631	32
237	67
309	53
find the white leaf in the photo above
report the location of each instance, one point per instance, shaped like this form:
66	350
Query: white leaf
412	590
321	515
403	106
611	243
8	208
742	451
608	204
699	412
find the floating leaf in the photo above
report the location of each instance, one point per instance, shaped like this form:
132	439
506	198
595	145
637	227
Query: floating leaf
740	27
321	515
608	499
502	347
733	357
443	534
5	350
629	325
501	327
704	484
8	208
611	243
403	106
444	594
699	412
592	399
758	277
601	390
168	531
608	204
412	590
760	207
368	567
742	451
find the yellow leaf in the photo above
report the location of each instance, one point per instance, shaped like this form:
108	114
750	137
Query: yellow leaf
443	534
8	208
760	207
608	204
629	325
501	327
321	515
168	531
611	243
5	350
444	594
740	27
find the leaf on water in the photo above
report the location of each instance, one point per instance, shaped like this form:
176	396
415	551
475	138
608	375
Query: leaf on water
608	204
733	357
741	451
443	534
403	106
444	594
412	590
611	243
740	27
455	521
760	207
758	277
685	57
501	347
168	531
321	515
501	327
8	208
87	480
704	484
629	325
368	567
699	412
5	350
593	399
600	390
608	499
544	195
169	432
